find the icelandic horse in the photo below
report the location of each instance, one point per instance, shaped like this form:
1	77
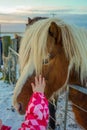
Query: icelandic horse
58	51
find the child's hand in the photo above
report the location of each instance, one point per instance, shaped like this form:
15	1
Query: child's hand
39	85
0	124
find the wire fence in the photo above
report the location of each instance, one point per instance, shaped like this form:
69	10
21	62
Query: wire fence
14	56
65	112
80	89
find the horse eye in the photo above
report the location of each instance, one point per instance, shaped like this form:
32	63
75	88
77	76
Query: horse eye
46	61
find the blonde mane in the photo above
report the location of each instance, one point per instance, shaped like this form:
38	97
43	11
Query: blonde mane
33	48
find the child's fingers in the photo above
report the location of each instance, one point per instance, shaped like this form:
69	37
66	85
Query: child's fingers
36	81
40	79
43	81
33	86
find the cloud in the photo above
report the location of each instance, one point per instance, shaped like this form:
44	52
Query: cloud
64	9
19	14
5	10
12	18
83	9
29	10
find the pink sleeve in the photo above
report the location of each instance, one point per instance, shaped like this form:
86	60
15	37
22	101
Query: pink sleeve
37	113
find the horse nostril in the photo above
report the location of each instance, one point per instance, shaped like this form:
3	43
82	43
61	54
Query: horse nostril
20	107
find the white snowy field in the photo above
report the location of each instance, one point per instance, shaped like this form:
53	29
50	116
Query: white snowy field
10	117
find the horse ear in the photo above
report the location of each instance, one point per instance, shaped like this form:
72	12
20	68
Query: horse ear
55	32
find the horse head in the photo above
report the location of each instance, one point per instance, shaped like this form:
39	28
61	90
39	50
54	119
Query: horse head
54	66
47	48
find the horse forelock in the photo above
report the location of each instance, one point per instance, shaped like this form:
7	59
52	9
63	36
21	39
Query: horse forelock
34	44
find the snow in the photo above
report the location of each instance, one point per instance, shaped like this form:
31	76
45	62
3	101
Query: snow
71	123
8	114
10	117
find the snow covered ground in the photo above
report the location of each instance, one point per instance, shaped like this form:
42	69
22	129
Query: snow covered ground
12	118
7	113
71	123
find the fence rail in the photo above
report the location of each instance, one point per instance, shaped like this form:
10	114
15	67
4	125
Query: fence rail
13	51
80	89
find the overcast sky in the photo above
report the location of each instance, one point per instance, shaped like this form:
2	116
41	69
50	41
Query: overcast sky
17	11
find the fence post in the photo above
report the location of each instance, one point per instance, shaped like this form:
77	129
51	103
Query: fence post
13	65
1	61
6	42
66	106
12	61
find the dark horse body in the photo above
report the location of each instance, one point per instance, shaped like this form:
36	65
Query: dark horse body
57	71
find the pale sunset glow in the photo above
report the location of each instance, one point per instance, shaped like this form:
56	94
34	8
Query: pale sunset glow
14	10
6	10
